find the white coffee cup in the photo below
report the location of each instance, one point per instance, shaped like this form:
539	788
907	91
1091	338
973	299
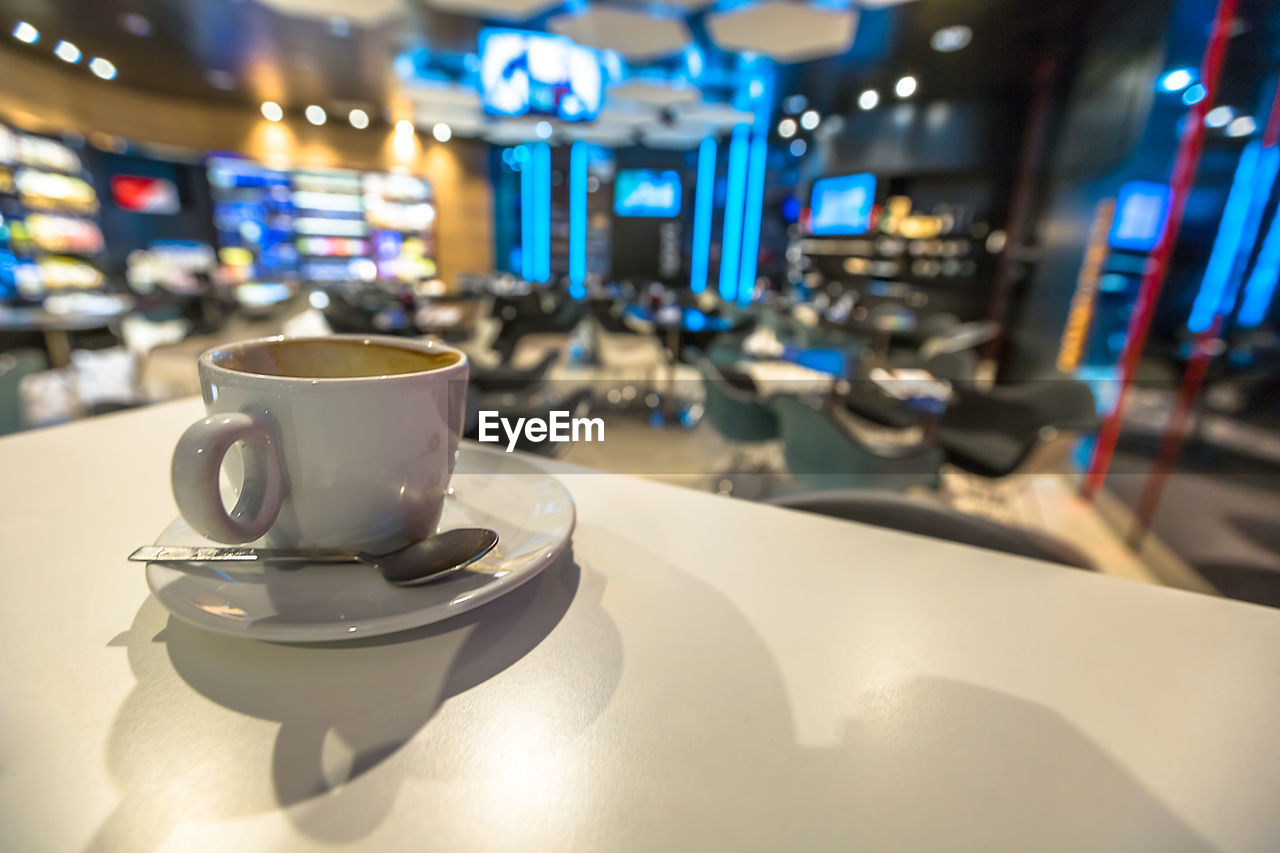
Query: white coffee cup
343	441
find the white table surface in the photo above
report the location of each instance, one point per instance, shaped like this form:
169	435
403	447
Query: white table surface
703	673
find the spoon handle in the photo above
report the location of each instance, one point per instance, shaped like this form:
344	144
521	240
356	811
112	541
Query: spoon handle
211	554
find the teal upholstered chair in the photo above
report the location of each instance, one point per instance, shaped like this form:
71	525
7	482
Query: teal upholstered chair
822	453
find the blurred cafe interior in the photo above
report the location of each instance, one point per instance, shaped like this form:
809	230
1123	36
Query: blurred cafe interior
929	354
1014	261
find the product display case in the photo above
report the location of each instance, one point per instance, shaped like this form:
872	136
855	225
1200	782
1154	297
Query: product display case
49	236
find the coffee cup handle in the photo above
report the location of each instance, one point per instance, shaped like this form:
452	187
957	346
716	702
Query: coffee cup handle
197	461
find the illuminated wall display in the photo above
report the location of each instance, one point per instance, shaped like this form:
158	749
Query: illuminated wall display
1140	212
646	192
528	73
842	205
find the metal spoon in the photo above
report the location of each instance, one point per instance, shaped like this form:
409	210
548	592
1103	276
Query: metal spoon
416	563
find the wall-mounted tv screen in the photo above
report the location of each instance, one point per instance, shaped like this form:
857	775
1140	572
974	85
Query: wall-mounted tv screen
842	206
1141	209
646	192
528	73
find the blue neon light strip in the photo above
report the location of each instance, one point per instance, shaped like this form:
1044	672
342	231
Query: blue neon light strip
731	242
578	220
1262	282
542	211
753	210
1226	247
704	199
526	216
751	217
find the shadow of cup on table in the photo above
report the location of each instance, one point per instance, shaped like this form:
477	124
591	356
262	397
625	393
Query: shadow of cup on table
312	717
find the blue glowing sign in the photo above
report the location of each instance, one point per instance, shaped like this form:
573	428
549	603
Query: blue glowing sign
842	205
644	192
1141	210
528	73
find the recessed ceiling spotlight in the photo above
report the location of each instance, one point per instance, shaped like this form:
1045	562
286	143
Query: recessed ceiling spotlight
795	104
905	87
24	32
359	119
316	115
135	24
1219	116
1177	80
271	111
1241	126
103	68
868	99
543	129
443	133
810	119
404	127
787	128
67	52
1194	94
951	39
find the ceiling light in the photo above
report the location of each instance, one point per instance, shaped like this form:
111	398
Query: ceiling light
1219	116
1194	94
798	147
359	119
404	127
315	115
950	39
103	68
787	128
442	132
905	87
1241	126
868	99
810	119
271	111
24	32
135	24
67	52
1177	80
543	129
795	103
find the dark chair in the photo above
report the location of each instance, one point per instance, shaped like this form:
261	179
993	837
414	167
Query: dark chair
733	407
995	433
909	515
821	452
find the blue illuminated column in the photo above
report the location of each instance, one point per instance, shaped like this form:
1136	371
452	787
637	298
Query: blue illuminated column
1262	282
731	242
752	215
527	264
762	91
578	157
542	211
1237	233
704	200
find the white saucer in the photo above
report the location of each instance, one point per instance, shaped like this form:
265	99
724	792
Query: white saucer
531	510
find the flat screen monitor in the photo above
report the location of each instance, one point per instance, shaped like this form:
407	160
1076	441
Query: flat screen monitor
527	73
842	206
646	192
1141	209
